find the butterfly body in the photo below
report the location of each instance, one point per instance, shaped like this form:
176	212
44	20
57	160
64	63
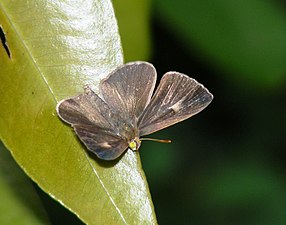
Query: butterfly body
114	120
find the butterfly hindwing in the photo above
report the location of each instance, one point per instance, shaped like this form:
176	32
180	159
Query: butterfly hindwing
103	143
177	98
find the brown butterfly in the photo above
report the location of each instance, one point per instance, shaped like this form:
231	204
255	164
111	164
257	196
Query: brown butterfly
114	120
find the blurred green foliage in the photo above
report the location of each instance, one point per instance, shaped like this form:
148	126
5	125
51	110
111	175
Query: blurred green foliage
26	205
244	39
134	28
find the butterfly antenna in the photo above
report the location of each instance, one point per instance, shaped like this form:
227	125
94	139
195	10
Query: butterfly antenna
153	139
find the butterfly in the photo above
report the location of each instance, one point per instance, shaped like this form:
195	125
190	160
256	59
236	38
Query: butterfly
114	120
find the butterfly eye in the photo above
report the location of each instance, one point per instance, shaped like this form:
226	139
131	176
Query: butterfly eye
134	144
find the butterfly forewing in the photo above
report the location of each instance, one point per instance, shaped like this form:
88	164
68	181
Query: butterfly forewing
177	98
129	88
88	108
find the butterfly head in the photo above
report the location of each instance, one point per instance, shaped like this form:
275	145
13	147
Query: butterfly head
134	144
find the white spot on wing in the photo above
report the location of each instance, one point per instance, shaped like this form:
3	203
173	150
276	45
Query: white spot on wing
177	106
105	145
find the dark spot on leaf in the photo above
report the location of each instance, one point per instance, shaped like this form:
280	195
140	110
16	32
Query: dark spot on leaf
32	92
4	42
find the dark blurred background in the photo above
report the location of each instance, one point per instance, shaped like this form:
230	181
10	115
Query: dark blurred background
226	165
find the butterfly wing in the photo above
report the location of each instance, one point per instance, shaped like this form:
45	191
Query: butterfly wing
96	125
177	98
129	88
103	143
87	108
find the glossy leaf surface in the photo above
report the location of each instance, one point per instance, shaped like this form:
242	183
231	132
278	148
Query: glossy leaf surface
56	48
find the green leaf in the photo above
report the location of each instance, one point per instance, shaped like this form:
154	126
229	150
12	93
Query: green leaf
244	39
18	205
56	48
